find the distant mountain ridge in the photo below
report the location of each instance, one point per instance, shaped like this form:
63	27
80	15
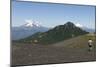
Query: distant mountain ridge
58	33
88	29
85	28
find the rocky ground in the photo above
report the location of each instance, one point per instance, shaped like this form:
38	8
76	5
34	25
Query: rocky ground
67	51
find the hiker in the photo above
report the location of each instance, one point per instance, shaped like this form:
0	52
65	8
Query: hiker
90	44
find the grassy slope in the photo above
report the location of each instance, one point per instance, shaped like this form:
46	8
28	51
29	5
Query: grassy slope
77	42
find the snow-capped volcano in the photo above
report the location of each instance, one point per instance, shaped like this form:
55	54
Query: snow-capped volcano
29	28
31	23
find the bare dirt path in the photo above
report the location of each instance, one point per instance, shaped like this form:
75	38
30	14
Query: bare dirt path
72	50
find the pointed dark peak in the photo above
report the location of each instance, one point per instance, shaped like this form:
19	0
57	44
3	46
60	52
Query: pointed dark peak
69	23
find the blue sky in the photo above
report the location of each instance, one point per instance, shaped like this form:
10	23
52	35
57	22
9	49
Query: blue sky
51	15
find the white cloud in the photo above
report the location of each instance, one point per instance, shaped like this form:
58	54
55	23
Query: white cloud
78	25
